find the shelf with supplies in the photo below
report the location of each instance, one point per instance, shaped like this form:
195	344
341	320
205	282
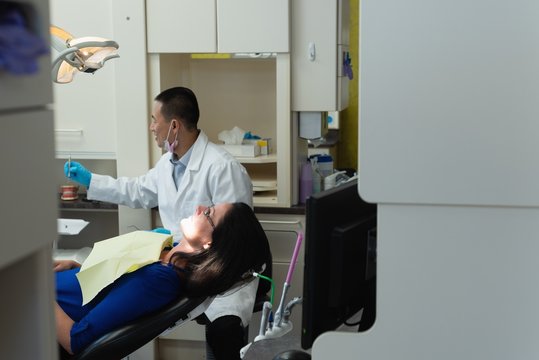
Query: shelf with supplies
261	159
266	198
240	101
263	175
263	172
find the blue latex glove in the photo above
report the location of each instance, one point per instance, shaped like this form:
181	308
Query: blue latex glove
161	231
77	173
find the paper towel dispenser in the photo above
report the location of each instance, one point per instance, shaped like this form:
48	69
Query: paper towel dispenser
313	124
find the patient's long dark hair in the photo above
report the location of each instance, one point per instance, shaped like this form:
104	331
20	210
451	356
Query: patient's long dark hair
239	246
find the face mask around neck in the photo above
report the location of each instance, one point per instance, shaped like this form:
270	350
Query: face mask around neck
170	146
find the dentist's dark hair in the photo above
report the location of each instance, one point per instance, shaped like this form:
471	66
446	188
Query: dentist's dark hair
179	103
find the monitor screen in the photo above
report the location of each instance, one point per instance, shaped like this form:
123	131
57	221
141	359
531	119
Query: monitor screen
340	254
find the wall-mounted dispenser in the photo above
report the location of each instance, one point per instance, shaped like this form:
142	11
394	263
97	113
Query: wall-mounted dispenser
312	124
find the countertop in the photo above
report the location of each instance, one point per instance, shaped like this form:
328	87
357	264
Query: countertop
82	203
294	210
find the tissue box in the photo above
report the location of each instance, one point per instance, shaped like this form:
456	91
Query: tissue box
244	150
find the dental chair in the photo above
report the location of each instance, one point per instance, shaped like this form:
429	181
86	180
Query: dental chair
123	341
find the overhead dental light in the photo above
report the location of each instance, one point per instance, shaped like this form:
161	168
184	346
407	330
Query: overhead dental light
85	54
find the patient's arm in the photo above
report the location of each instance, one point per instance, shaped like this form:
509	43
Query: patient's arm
61	265
63	328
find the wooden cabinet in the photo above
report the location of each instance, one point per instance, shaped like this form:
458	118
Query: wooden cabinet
252	26
217	26
181	26
86	129
252	94
319	49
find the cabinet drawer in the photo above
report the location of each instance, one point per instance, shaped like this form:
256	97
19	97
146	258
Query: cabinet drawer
282	232
282	244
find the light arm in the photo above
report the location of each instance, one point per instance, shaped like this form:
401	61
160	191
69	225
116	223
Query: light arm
85	54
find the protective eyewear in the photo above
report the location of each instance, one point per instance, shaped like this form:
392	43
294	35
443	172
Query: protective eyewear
206	213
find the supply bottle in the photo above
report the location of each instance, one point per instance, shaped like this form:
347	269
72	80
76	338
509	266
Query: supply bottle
317	178
325	164
305	182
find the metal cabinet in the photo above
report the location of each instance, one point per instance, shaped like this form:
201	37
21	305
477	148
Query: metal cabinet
28	219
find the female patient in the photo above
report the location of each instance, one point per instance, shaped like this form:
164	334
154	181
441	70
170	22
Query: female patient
220	245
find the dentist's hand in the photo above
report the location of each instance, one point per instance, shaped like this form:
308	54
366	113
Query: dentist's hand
161	231
77	173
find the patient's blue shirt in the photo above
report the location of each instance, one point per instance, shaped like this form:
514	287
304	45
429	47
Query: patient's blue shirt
129	297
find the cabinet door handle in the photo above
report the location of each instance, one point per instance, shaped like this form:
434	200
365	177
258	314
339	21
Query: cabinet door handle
311	51
68	131
280	222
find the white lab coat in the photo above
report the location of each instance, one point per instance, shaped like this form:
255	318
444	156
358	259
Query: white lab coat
212	176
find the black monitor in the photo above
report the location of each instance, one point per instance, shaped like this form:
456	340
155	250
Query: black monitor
340	261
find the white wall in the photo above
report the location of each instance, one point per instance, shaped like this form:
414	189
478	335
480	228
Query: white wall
113	104
448	149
